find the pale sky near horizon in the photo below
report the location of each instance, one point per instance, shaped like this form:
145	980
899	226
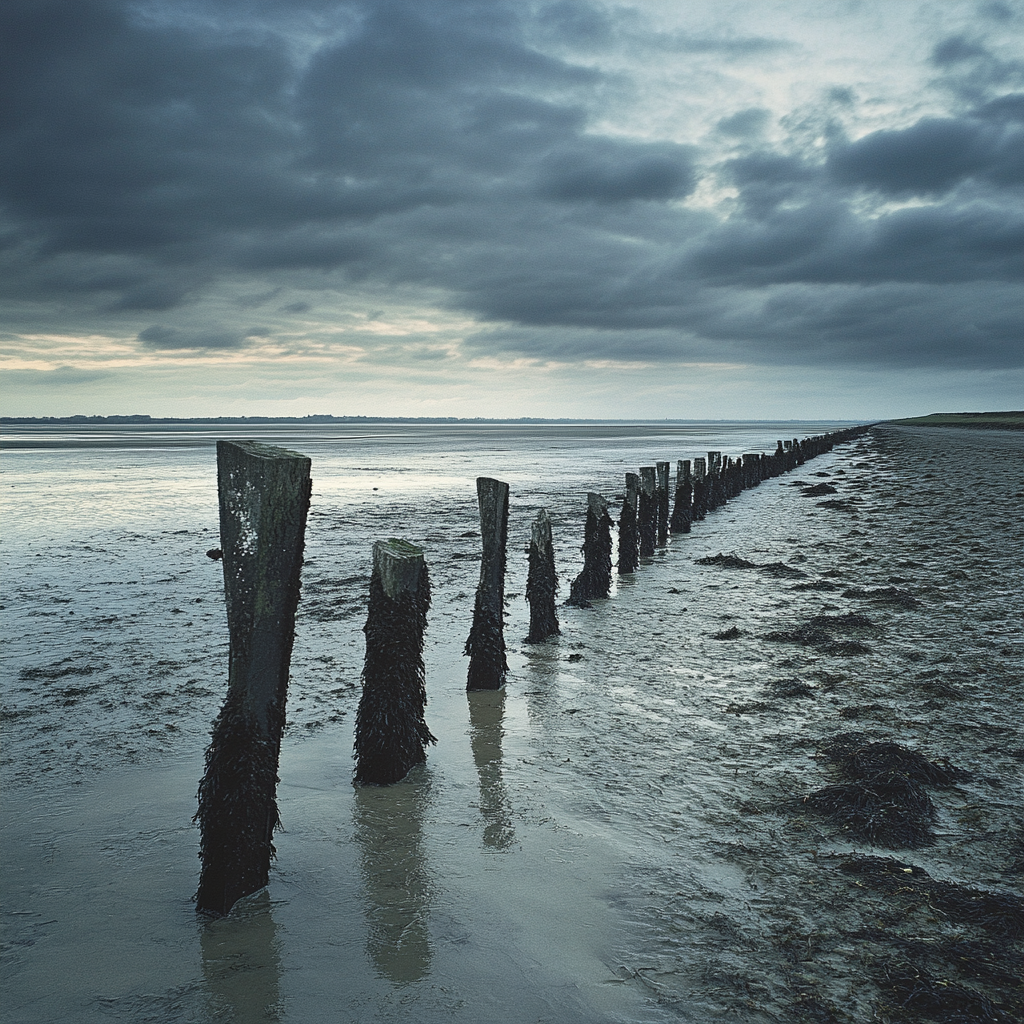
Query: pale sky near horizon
730	209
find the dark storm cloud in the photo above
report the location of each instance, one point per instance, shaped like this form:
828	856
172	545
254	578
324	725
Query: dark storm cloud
932	156
154	154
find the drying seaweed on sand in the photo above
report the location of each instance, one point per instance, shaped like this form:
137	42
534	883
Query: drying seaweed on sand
882	798
820	631
916	994
893	596
776	569
816	490
998	913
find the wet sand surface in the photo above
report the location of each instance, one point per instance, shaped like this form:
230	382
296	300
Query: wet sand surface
621	835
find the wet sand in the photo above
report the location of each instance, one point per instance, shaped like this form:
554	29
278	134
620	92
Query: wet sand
620	835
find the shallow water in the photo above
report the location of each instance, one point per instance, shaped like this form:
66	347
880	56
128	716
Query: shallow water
608	839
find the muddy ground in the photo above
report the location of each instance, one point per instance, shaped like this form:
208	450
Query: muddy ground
699	803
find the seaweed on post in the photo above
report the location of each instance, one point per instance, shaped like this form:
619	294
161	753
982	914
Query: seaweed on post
596	578
682	512
485	646
542	581
629	534
648	511
662	468
391	734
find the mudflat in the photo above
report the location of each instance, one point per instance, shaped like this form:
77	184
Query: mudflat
776	775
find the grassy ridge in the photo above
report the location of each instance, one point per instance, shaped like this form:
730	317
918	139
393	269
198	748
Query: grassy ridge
977	420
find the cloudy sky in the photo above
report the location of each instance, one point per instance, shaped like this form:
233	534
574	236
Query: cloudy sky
661	208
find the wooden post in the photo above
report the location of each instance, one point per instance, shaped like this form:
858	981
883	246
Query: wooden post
264	498
542	581
391	734
681	514
648	511
700	489
662	502
596	578
629	534
486	643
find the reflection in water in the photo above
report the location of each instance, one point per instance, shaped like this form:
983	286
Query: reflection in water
241	965
389	831
486	710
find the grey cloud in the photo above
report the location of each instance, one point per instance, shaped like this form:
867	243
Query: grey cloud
956	50
745	123
171	338
931	156
612	172
434	144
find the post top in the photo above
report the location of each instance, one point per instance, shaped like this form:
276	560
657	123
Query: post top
394	547
259	450
398	564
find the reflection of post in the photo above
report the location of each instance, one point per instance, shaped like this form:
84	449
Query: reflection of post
241	966
486	643
648	511
264	498
596	578
662	502
542	581
391	734
486	711
389	833
629	533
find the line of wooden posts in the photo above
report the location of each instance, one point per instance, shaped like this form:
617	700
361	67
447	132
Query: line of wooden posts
264	497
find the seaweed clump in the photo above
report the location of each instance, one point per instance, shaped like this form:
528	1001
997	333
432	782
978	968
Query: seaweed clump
917	993
820	631
894	596
727	561
817	490
998	913
882	798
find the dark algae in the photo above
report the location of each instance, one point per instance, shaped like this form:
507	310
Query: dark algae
391	735
882	798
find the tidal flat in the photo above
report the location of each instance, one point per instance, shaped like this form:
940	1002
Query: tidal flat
675	811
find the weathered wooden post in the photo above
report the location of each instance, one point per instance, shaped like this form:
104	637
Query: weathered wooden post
596	578
542	581
684	497
264	498
700	489
629	534
486	643
662	502
648	511
391	734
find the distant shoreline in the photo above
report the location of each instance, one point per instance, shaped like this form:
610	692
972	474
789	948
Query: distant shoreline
143	420
972	420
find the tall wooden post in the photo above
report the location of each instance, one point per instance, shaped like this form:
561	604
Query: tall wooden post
629	532
596	578
264	498
648	511
391	734
662	502
681	514
486	643
542	581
